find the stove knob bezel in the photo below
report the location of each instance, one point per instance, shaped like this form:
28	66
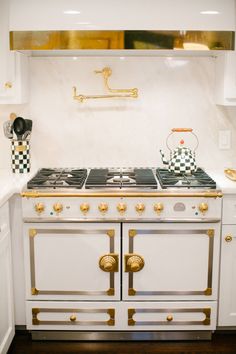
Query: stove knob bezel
58	208
103	208
121	208
140	208
39	207
84	208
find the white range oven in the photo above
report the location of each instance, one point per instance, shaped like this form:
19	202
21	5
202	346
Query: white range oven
118	254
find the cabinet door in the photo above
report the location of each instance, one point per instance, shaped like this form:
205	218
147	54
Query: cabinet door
13	66
227	295
171	261
72	261
7	329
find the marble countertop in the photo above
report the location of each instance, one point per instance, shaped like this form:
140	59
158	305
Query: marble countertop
13	183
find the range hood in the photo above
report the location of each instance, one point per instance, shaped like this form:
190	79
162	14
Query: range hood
126	26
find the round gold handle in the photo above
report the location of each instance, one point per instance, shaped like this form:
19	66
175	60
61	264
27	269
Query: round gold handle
135	263
108	263
203	207
169	318
58	207
73	318
121	207
158	208
103	207
228	238
84	208
8	85
39	208
140	207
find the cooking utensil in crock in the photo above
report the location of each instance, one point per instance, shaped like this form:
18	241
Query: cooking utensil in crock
7	127
28	129
182	159
19	127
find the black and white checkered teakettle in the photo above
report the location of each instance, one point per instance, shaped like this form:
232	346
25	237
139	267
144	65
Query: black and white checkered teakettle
182	159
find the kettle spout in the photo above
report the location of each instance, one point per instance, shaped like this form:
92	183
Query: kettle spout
164	160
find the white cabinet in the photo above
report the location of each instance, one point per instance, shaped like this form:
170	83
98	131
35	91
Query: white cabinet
7	329
13	66
227	294
34	15
225	84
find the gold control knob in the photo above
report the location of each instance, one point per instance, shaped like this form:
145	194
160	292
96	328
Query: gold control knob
169	318
109	263
58	207
134	263
103	207
84	208
158	207
203	207
73	318
39	208
121	207
228	238
140	207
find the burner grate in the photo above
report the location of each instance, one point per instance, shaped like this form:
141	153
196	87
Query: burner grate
58	178
121	178
198	179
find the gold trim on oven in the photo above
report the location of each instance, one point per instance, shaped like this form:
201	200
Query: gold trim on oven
170	318
207	292
72	319
35	291
164	194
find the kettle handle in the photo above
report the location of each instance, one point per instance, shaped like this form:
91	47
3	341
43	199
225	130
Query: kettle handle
182	130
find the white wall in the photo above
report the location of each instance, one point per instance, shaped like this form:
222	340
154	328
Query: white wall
173	92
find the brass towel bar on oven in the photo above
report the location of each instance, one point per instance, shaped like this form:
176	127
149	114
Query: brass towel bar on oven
113	93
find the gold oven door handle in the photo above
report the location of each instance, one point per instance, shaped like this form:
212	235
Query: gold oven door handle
133	262
109	262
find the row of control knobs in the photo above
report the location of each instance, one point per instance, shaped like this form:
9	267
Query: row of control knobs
121	208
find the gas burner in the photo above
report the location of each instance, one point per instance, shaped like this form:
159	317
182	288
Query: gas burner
121	178
58	178
198	179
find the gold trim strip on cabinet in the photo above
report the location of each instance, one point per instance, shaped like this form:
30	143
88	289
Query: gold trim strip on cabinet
169	319
164	194
207	292
72	320
35	291
134	40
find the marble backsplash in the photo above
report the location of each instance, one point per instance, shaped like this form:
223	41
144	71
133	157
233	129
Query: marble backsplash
173	92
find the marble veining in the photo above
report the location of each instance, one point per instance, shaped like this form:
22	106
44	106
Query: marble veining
173	92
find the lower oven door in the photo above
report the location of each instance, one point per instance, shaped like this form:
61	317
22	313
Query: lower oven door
72	261
170	261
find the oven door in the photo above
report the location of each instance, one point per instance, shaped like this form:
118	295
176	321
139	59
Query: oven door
72	261
170	261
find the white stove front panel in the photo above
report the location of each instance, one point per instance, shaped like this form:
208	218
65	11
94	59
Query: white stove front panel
119	209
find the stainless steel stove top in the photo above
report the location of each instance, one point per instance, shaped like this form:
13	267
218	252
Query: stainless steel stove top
117	179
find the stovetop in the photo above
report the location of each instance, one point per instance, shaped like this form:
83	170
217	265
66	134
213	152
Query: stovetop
198	179
53	178
117	179
121	178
